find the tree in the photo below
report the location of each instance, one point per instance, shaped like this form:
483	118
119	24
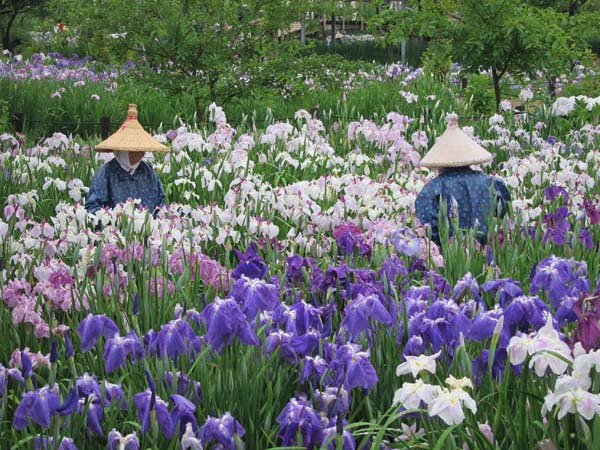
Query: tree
9	11
504	36
211	49
570	6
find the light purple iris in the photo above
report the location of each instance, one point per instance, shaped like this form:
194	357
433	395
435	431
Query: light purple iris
466	286
145	403
560	277
47	443
250	265
118	348
299	417
39	406
175	338
225	320
223	430
359	311
92	327
255	295
405	241
353	367
183	413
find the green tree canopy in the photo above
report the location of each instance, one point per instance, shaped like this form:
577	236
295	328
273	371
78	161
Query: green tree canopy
503	36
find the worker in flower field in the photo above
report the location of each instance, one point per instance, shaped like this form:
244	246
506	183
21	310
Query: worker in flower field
127	176
470	194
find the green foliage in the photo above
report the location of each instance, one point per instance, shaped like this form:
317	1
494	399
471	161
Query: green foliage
437	59
508	36
479	94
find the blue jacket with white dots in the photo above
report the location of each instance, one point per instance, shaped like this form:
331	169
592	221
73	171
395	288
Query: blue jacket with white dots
113	185
474	193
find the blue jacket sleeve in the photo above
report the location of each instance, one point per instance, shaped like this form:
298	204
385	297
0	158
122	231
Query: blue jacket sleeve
98	194
501	197
427	209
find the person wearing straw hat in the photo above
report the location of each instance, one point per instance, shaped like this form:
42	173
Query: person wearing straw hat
473	193
127	176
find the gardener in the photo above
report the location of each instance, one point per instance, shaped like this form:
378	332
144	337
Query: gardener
127	176
473	193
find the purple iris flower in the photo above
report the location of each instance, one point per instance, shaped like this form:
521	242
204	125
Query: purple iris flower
87	385
441	287
335	277
557	226
353	364
117	348
524	312
255	295
92	327
225	320
333	401
5	374
26	365
586	239
297	266
588	323
591	211
331	436
70	403
183	413
313	368
116	441
360	310
306	344
483	325
565	313
504	289
298	318
405	241
414	346
39	406
481	362
553	191
143	402
283	341
250	265
443	324
415	293
176	338
185	385
223	430
94	414
349	242
560	277
44	443
466	286
299	416
391	269
68	346
114	395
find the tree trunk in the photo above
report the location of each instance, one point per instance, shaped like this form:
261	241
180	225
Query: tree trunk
199	109
303	29
333	28
6	35
496	78
552	86
572	8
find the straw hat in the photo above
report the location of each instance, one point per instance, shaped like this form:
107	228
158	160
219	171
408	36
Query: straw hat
455	149
131	137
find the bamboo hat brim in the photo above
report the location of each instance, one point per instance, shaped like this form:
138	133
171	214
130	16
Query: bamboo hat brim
455	149
131	137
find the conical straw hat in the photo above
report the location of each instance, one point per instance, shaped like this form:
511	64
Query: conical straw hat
131	137
455	149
